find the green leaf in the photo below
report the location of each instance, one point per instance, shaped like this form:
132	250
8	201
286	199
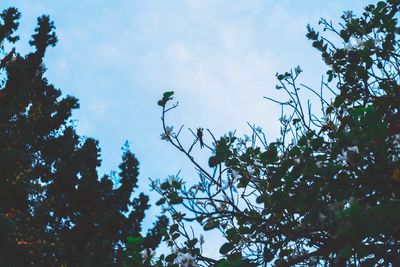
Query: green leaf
135	240
177	184
174	198
225	248
170	258
261	199
168	94
165	186
166	97
160	201
268	254
211	225
244	230
173	228
192	242
199	218
175	235
161	103
232	235
213	161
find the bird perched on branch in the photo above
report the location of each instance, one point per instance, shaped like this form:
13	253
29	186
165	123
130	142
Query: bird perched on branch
200	136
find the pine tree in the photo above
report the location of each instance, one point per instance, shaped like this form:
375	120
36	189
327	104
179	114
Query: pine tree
55	209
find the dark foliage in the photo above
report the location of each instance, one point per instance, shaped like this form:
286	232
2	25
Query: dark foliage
55	210
327	192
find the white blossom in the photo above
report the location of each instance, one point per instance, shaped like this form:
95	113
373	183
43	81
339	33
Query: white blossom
250	170
164	137
351	200
225	185
235	176
298	70
326	118
348	14
344	155
314	260
171	179
186	260
147	254
397	139
144	254
297	160
258	163
360	43
240	143
377	42
396	142
201	239
168	131
353	149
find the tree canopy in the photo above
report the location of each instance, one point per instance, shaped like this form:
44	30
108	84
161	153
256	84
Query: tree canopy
55	209
327	192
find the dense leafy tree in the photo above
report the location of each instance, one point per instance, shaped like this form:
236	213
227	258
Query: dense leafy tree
327	192
55	210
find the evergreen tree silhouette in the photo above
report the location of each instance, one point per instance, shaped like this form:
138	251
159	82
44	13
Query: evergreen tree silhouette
55	210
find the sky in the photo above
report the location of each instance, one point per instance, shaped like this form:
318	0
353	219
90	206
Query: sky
220	58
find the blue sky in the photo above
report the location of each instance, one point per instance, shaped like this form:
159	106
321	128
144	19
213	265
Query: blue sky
219	56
